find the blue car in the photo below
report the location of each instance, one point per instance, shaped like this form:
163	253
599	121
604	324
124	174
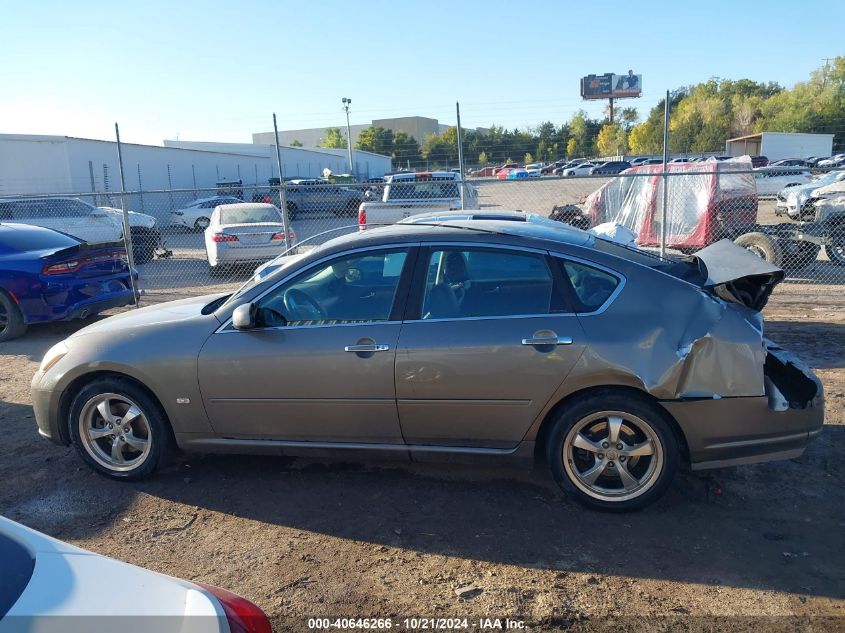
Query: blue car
46	275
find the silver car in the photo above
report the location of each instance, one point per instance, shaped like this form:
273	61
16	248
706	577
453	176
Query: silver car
478	339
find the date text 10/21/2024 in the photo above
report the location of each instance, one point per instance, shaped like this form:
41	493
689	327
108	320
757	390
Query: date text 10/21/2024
417	624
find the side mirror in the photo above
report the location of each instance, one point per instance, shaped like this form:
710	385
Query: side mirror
368	194
243	318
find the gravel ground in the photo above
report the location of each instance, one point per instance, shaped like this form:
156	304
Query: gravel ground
303	538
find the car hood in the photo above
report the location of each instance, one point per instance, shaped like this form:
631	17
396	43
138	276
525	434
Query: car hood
736	274
149	316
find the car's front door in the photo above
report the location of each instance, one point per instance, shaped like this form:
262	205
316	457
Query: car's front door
487	340
319	365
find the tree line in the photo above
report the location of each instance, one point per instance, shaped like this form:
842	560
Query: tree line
701	118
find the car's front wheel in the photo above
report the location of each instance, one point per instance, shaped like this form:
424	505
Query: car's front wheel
613	451
119	429
201	224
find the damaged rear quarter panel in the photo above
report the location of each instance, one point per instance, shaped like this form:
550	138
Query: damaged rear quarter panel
674	341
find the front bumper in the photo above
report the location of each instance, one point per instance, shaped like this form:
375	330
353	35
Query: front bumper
45	406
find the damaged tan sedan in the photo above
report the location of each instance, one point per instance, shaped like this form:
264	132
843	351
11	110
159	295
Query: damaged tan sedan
469	339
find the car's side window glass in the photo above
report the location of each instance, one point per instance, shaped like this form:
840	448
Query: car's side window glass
592	287
356	288
474	282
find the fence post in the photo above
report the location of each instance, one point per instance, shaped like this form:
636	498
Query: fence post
282	201
140	189
169	187
194	174
460	155
664	213
127	233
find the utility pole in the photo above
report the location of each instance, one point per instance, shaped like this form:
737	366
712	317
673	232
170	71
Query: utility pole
346	103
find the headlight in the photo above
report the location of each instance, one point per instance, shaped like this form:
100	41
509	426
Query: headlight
53	356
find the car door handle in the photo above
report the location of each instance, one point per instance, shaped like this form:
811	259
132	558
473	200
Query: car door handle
368	347
548	340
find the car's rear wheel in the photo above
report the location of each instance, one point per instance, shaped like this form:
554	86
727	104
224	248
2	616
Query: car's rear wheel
119	429
201	224
11	319
613	451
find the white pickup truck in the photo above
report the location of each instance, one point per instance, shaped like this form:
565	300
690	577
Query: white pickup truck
408	194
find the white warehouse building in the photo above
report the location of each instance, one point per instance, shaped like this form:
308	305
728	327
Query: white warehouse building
38	164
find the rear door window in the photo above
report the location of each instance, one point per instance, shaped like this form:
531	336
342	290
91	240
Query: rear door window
482	282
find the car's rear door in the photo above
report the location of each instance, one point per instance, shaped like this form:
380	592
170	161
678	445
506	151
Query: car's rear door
320	365
487	340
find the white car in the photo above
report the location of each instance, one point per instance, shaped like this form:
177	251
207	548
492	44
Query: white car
197	215
579	170
791	201
248	232
146	239
69	215
52	587
770	180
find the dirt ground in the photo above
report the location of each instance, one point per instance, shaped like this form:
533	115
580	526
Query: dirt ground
751	548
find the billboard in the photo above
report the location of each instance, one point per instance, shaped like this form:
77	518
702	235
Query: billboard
610	86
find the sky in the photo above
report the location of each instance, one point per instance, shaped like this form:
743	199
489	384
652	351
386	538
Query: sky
216	71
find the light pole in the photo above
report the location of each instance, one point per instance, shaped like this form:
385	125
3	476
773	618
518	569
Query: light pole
346	103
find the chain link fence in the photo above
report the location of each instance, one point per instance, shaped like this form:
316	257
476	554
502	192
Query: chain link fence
179	251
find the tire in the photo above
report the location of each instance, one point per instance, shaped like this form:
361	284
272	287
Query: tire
292	211
762	245
11	319
201	224
799	254
835	251
143	247
130	451
590	422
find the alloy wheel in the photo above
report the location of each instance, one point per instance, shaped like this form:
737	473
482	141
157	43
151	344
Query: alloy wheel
115	432
613	456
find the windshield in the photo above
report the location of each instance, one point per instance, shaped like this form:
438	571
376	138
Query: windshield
406	190
249	215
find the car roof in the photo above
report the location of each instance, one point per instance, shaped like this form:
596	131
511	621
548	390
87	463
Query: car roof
517	233
248	205
39	198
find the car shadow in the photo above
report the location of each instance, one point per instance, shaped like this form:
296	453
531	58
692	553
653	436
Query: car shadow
768	526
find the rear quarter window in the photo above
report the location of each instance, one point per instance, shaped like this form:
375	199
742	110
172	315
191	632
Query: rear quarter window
591	287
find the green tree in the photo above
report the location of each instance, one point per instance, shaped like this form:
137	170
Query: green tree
333	139
528	158
482	158
376	140
406	150
611	140
296	143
